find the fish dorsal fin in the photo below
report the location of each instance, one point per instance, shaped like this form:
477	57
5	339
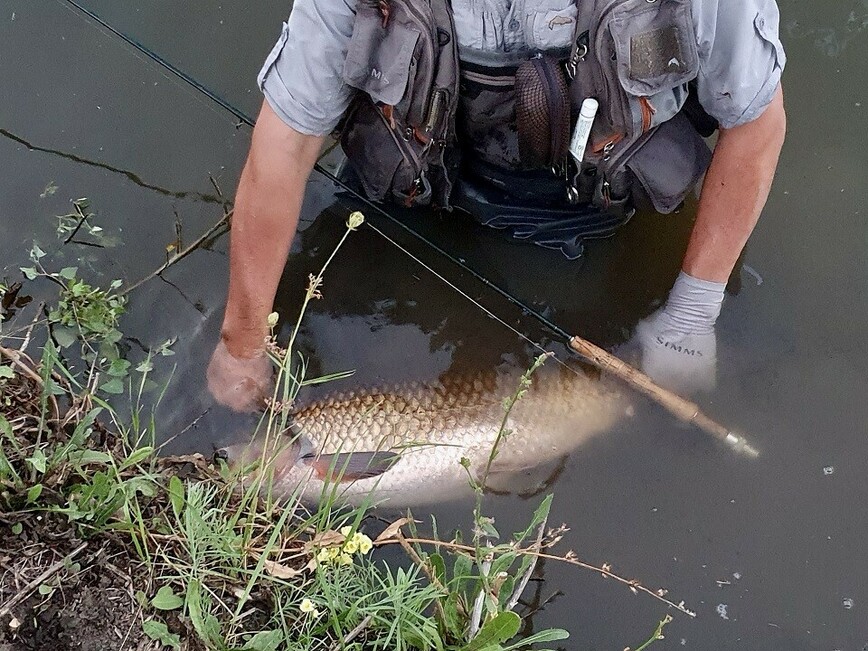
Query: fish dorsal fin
351	466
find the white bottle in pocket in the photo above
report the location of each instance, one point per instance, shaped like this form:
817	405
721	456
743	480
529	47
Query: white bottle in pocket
583	129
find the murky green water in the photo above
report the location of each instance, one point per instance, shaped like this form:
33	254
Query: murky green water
778	542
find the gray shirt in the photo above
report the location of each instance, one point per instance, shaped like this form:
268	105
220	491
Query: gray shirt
741	56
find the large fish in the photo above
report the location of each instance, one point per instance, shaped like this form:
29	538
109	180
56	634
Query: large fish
404	445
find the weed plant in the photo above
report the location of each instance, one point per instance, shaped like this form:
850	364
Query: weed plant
213	560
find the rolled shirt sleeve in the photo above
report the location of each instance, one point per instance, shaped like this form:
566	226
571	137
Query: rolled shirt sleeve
302	75
741	58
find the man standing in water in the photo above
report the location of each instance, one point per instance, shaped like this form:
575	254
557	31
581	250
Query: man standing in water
731	60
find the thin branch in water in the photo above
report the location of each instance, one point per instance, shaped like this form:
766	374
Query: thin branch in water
26	342
181	254
82	217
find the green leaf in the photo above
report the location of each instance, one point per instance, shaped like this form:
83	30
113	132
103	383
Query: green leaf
36	252
499	629
506	590
68	272
204	622
176	495
141	485
166	599
439	567
137	457
114	386
119	368
46	589
539	516
6	372
159	632
49	190
487	527
461	568
265	641
455	623
29	272
89	457
65	336
38	461
17	528
33	493
548	635
502	563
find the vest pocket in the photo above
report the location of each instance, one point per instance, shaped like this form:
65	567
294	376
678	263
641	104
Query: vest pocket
372	151
379	60
670	163
655	46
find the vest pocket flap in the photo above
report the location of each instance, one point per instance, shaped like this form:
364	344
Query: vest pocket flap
655	45
671	163
379	59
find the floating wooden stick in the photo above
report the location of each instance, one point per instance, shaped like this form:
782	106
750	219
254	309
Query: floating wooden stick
683	409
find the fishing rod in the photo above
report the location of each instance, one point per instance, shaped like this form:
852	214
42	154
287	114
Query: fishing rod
683	409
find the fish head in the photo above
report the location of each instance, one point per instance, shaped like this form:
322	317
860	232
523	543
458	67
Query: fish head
292	464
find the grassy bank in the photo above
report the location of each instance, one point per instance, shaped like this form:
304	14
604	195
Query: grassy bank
105	544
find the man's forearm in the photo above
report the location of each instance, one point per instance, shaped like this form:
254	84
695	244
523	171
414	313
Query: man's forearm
267	208
734	192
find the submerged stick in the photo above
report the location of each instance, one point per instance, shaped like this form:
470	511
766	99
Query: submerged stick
681	408
181	255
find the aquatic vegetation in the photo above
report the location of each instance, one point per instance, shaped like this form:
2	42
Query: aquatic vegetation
207	556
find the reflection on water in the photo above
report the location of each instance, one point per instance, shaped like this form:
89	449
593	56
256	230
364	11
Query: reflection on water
778	542
831	30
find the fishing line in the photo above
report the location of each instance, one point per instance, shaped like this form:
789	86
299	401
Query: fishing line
460	291
246	119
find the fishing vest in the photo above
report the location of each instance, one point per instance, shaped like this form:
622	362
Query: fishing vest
635	57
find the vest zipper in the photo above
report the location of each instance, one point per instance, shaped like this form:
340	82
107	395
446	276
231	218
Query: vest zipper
555	143
647	111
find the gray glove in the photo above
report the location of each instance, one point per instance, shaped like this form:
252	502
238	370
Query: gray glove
678	342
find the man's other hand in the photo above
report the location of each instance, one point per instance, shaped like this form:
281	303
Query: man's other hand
678	342
679	361
242	384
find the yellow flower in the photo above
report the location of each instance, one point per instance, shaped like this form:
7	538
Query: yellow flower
364	543
345	531
345	559
307	606
273	319
355	220
352	545
322	556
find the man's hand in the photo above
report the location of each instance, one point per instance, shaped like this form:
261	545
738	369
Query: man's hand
238	383
678	342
